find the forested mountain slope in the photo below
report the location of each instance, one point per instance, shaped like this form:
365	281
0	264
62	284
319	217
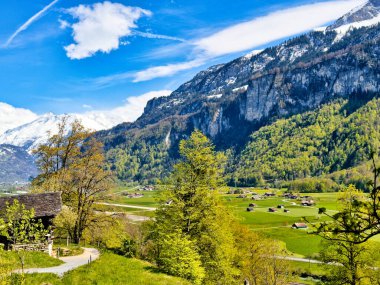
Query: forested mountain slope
334	137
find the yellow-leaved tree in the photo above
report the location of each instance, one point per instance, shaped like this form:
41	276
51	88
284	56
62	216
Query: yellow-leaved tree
73	163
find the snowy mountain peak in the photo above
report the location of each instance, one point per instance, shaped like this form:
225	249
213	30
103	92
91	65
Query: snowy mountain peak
366	14
35	133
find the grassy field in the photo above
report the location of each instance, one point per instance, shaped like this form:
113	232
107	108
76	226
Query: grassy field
148	200
275	225
32	259
109	269
278	225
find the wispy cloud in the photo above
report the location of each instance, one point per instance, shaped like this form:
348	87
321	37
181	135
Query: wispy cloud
275	26
30	21
166	70
252	34
156	36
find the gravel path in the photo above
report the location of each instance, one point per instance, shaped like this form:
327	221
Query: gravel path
128	206
70	263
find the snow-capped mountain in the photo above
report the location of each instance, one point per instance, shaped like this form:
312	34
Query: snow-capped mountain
364	14
30	135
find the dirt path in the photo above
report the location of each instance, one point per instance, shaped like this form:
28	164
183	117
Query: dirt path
70	263
128	206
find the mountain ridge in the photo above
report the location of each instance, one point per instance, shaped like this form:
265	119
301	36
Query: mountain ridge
229	102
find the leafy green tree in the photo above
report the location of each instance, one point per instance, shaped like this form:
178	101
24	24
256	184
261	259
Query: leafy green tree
191	208
346	236
178	256
19	225
359	217
259	259
353	264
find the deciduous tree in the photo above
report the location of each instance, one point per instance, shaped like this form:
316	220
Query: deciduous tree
73	164
190	207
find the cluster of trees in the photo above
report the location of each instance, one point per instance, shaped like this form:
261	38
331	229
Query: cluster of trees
337	136
311	185
138	161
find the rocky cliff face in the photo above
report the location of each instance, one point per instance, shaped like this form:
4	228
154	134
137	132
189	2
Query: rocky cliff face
296	76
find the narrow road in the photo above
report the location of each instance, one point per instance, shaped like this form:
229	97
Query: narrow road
128	206
300	259
70	263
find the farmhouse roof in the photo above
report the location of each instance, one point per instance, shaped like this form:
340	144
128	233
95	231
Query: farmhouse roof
299	225
44	204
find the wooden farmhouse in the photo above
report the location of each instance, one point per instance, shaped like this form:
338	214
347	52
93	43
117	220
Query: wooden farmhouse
46	206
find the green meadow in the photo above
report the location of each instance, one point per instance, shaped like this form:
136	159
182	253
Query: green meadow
276	225
109	269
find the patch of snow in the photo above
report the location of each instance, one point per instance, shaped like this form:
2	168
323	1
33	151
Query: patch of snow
240	89
345	28
216	96
231	80
320	29
252	54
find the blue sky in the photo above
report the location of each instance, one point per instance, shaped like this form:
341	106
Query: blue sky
75	56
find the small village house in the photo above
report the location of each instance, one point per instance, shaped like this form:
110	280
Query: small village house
299	226
46	207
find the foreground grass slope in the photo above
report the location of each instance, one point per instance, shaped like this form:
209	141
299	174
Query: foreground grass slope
11	259
109	269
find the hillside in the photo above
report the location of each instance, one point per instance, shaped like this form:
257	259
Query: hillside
231	102
15	164
110	269
334	137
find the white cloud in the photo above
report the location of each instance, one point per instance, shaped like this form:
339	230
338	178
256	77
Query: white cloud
63	24
129	112
30	21
11	117
165	70
252	34
85	106
277	25
100	27
144	75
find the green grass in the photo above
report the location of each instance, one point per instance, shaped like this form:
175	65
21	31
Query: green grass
70	250
109	269
31	259
148	200
297	241
278	225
